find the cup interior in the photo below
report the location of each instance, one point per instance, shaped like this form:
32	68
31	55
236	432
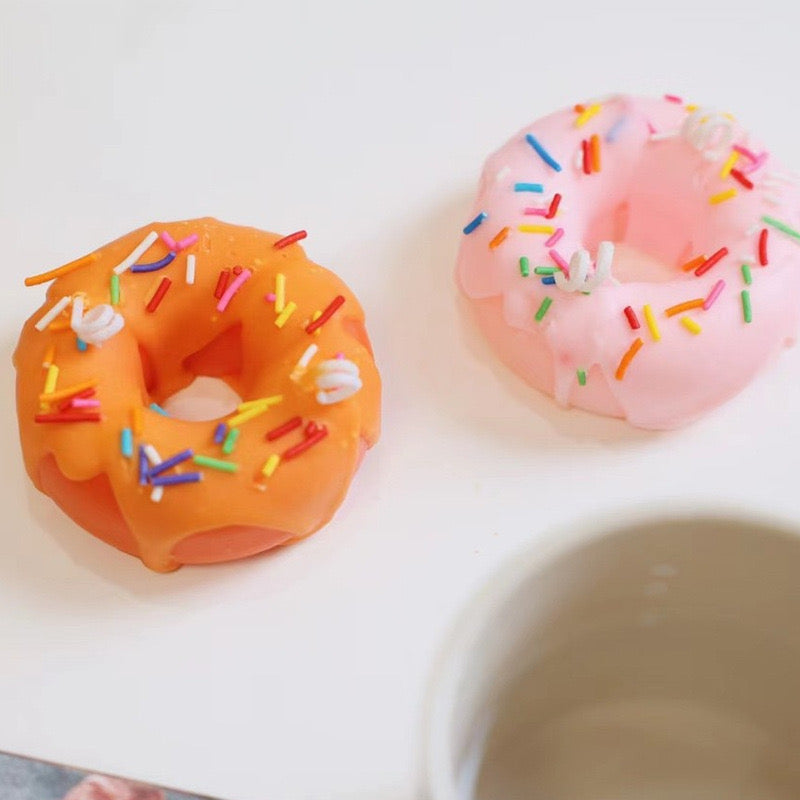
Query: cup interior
660	660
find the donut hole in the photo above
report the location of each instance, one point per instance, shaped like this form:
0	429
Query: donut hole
203	400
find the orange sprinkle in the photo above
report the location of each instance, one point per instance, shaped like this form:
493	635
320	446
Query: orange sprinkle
579	108
500	238
625	362
68	391
687	306
693	264
136	420
594	145
44	277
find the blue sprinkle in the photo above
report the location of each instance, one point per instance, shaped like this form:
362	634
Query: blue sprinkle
220	432
126	442
143	466
470	226
82	346
155	265
169	463
171	480
614	130
157	408
543	154
549	280
528	187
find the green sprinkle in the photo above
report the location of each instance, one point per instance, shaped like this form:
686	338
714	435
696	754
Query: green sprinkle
544	270
524	266
215	463
230	441
746	274
115	290
582	377
781	226
543	308
746	307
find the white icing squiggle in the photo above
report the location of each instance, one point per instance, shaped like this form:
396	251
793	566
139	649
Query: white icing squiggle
336	380
97	325
580	279
708	131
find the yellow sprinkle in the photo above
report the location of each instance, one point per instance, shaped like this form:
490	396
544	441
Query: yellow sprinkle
249	413
650	319
722	196
280	292
692	107
287	312
271	465
136	420
536	229
266	402
49	356
51	380
587	114
691	325
729	164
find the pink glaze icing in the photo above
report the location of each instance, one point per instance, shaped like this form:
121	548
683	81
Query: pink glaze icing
651	198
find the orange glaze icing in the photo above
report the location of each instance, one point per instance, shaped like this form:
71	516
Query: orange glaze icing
226	515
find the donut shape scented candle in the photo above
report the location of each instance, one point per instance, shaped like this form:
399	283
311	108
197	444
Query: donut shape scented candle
130	325
637	258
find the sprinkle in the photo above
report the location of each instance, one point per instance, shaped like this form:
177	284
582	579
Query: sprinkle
282	430
587	114
691	325
581	377
587	158
81	345
51	380
54	311
747	309
142	466
549	281
532	211
154	266
625	362
729	164
247	415
220	432
673	98
82	402
470	226
556	256
68	416
326	314
524	266
528	187
721	197
711	261
594	147
304	361
230	441
169	463
650	319
44	277
554	204
174	480
69	391
746	275
503	173
187	242
633	320
215	463
549	229
169	241
544	270
543	308
191	268
271	465
290	239
126	443
154	458
287	312
693	264
742	178
272	400
554	239
295	451
234	287
114	289
715	292
270	297
673	311
499	238
137	251
222	283
65	405
762	247
280	292
155	302
49	356
542	153
136	420
157	408
614	130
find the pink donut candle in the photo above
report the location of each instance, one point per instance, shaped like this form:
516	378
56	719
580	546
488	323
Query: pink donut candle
637	258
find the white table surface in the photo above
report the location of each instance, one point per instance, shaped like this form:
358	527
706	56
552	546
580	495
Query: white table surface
302	675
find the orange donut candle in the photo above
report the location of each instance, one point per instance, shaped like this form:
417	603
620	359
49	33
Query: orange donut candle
127	327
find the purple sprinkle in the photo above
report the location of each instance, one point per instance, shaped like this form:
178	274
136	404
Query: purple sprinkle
143	466
169	463
172	480
220	432
154	266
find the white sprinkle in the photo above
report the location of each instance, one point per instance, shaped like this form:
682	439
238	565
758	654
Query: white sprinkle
310	352
53	313
577	162
155	459
139	250
660	137
502	174
753	229
77	312
190	269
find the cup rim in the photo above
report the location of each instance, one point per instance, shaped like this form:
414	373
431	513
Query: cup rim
471	618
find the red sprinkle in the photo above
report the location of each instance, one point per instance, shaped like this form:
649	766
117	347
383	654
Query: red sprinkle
709	262
633	320
554	204
762	247
282	430
84	395
292	452
237	270
587	159
290	239
222	283
673	98
329	311
69	416
311	428
742	178
163	288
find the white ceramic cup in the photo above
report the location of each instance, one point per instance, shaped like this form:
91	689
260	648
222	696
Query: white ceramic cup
652	660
